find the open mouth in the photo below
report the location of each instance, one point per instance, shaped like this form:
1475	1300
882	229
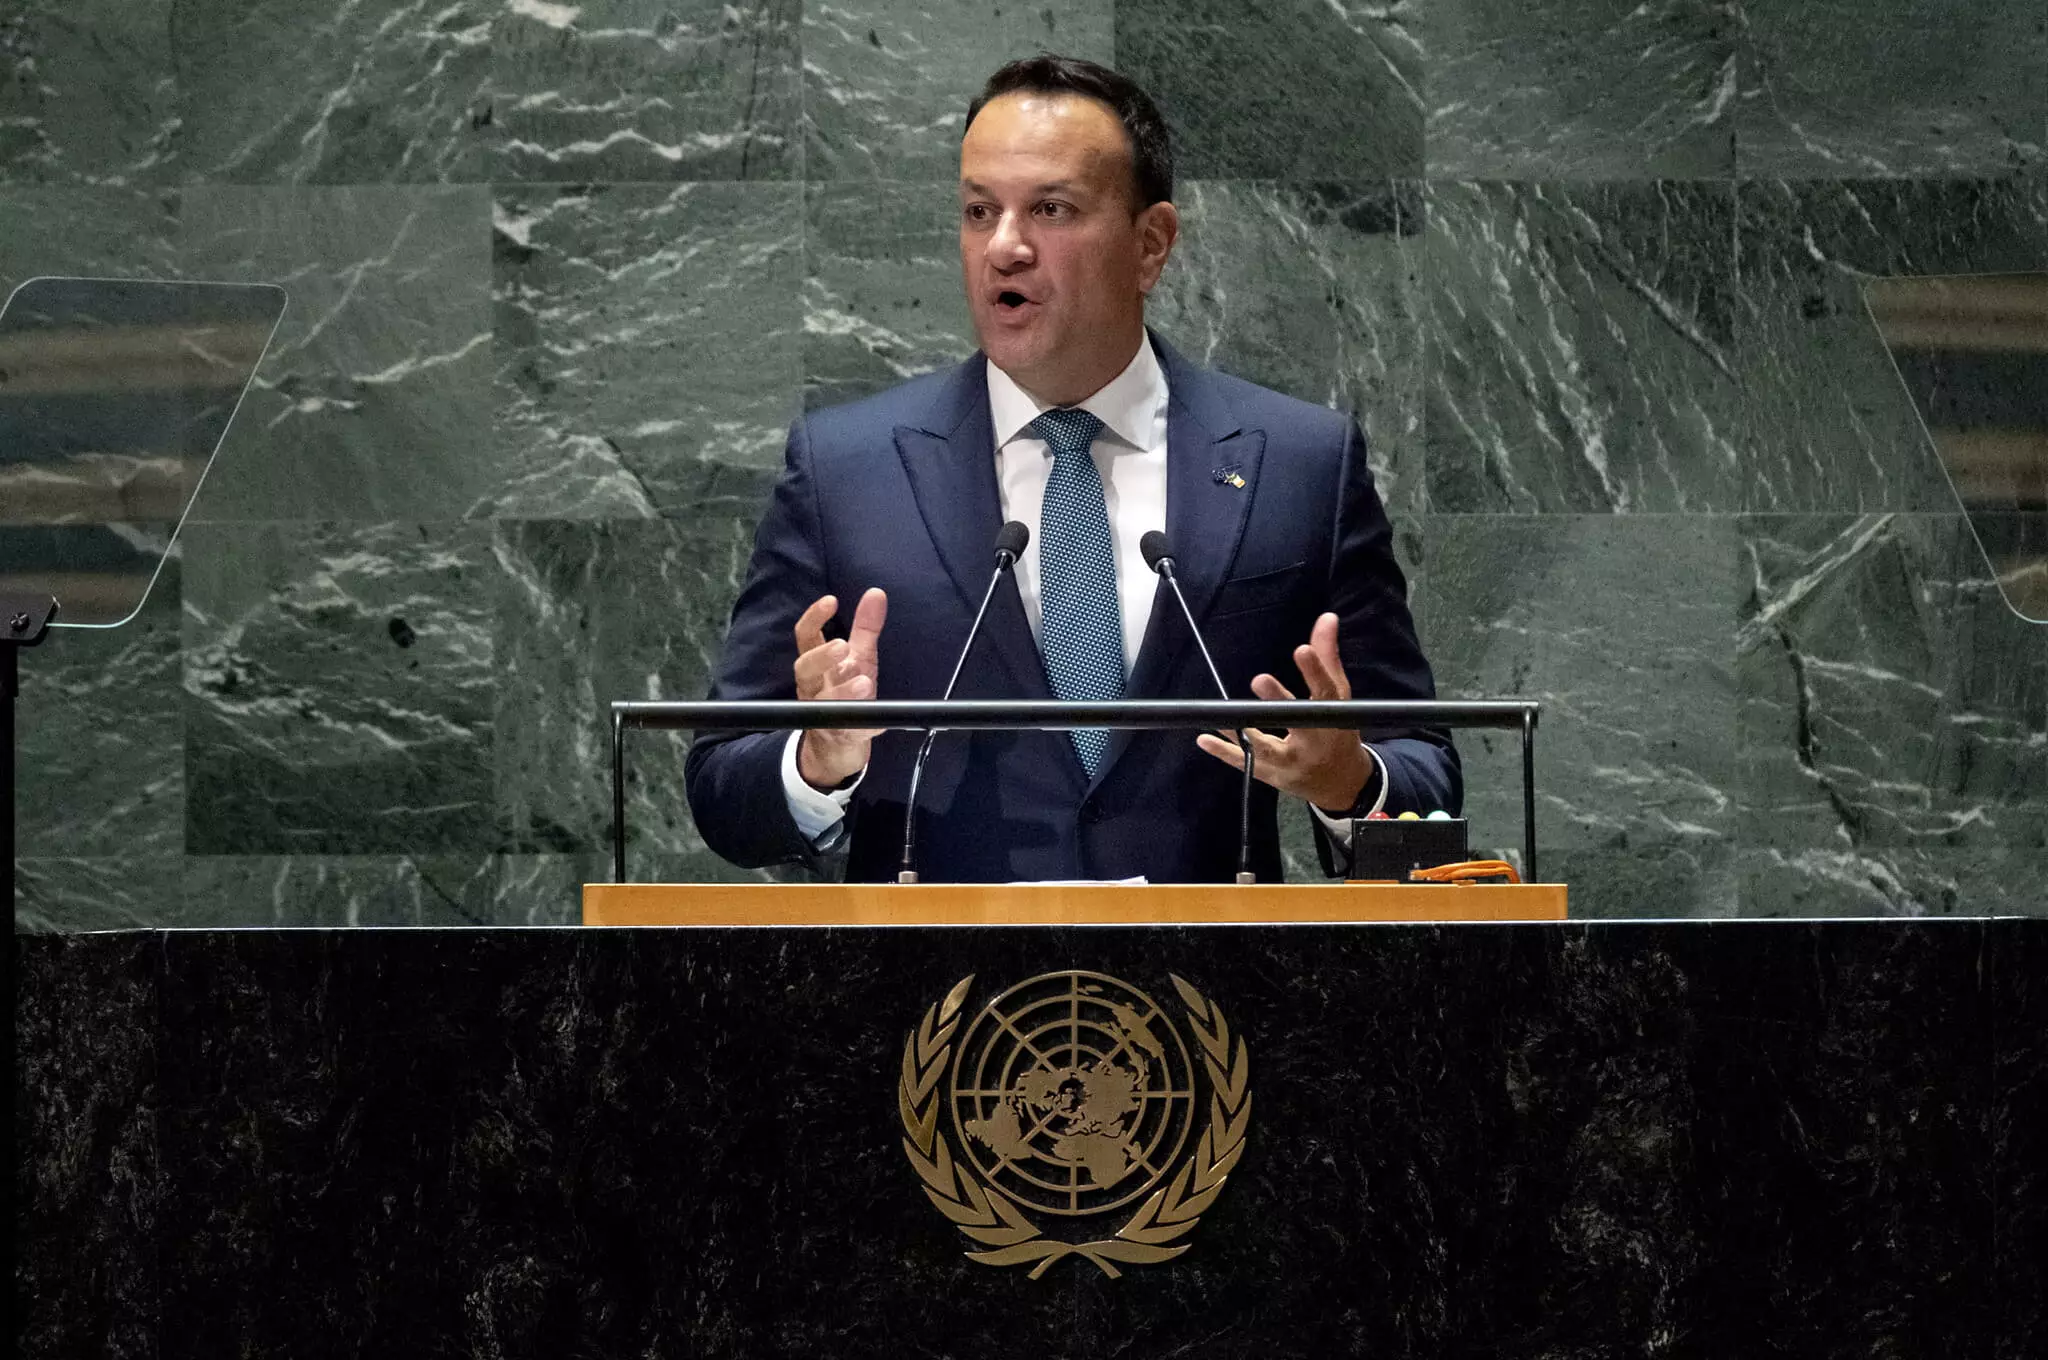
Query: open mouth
1010	300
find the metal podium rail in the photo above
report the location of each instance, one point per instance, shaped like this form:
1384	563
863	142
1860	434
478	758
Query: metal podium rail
957	715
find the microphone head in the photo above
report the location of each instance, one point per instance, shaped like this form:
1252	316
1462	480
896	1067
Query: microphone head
1010	540
1153	545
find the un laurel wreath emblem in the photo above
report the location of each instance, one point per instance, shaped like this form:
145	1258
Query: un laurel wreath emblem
1072	1096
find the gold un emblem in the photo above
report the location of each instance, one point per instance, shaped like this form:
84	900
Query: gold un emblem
1071	1097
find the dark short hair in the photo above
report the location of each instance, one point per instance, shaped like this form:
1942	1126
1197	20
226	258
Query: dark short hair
1151	148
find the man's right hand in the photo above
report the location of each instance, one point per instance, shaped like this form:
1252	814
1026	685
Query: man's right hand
828	757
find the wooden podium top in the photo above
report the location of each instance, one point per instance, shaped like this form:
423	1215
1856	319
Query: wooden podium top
1050	904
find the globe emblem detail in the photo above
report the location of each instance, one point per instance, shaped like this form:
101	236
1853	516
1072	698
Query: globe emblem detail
1072	1093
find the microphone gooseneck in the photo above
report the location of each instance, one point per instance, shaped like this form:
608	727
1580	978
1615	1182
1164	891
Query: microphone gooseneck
1159	557
1009	546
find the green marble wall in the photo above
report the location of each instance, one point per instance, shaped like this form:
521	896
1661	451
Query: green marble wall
562	273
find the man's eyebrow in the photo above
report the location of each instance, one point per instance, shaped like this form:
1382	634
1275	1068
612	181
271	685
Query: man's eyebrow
1051	187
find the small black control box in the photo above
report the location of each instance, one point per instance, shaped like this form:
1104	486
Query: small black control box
1384	849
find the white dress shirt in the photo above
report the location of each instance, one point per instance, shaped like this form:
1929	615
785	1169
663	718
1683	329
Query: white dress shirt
1130	454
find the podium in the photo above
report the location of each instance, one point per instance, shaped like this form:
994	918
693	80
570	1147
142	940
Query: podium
1449	1139
1063	904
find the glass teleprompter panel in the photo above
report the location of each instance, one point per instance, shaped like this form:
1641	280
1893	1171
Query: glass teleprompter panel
1972	350
114	395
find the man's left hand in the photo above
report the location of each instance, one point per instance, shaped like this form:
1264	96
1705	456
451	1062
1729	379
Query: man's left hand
1324	765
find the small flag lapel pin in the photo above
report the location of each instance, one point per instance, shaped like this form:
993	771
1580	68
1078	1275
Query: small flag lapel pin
1229	476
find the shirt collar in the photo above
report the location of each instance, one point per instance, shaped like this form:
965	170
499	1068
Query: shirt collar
1127	405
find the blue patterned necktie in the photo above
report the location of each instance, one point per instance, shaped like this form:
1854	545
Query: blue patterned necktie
1082	634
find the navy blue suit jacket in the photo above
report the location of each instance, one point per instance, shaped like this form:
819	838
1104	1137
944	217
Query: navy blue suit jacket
899	491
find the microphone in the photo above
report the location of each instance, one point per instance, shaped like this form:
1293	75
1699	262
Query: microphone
1159	557
1010	541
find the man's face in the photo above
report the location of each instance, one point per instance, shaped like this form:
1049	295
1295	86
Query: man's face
1056	258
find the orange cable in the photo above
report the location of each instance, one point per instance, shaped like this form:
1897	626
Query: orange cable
1466	871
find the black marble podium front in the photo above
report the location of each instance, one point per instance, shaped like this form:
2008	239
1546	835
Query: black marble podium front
1690	1139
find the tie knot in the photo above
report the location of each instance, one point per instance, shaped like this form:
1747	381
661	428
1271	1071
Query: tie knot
1068	429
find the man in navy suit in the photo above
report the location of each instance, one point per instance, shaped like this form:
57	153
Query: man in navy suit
1077	421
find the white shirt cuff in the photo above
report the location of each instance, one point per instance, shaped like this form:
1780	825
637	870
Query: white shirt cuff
817	814
1340	827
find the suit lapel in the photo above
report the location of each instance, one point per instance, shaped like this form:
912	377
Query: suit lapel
950	461
1205	519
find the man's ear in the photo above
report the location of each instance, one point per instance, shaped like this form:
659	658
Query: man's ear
1158	229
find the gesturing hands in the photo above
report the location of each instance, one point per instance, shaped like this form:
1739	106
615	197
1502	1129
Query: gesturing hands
1324	765
827	757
